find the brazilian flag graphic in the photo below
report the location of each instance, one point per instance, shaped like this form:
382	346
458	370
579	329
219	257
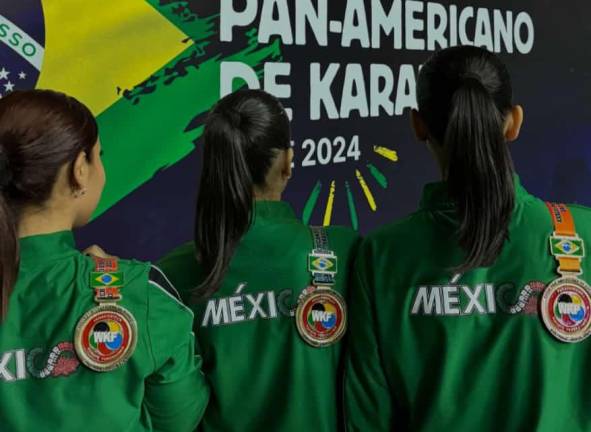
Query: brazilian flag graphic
22	40
149	71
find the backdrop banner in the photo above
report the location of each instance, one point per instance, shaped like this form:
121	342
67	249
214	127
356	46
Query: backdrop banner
345	70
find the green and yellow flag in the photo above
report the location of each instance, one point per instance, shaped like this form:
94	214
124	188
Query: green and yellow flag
145	68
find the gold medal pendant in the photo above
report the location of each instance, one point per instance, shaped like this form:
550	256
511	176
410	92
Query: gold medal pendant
321	314
106	336
565	306
321	317
566	309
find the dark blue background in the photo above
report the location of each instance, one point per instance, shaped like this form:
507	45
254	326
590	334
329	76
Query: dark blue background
553	156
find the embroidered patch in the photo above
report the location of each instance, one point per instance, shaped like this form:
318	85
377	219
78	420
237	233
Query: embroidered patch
567	247
98	279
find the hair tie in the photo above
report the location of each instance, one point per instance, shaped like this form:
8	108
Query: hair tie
471	77
234	116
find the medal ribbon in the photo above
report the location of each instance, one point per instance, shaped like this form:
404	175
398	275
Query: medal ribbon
320	239
105	265
569	261
322	262
106	280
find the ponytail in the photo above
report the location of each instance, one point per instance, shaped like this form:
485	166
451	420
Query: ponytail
480	173
242	135
225	202
463	95
41	132
9	252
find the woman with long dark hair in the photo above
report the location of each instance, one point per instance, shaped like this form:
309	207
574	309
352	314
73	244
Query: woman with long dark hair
472	313
267	291
86	343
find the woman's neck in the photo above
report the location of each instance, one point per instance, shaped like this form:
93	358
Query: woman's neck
42	221
267	196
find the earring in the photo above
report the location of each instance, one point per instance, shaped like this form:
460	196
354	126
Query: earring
79	193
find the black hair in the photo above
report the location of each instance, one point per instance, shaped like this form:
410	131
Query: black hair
243	134
464	94
40	132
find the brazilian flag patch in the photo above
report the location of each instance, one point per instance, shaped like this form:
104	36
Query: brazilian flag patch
322	263
566	247
98	279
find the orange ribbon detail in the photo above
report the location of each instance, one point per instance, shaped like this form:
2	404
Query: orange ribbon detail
564	225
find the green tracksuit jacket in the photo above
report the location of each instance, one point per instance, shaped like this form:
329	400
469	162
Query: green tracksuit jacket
44	387
264	377
434	352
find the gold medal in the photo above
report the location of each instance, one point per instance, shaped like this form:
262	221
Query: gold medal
566	309
566	302
106	336
321	317
321	313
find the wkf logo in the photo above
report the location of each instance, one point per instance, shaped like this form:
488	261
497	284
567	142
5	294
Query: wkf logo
22	40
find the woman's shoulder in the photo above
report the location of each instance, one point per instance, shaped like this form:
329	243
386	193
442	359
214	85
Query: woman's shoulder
181	267
138	280
344	241
580	210
537	213
184	254
343	234
415	225
112	270
582	217
146	283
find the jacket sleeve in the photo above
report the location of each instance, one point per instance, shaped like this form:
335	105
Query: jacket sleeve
368	404
176	393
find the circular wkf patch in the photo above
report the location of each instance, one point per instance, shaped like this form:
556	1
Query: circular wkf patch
321	317
105	337
566	309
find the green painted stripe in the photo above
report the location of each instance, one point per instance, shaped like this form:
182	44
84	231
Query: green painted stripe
352	209
138	127
378	175
311	203
197	28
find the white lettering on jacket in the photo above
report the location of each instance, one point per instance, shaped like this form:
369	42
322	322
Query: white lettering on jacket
20	364
454	299
245	307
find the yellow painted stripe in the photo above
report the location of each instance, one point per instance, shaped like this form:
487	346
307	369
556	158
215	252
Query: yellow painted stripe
386	152
366	191
329	204
96	45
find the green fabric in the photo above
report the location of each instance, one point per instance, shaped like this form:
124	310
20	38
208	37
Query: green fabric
488	365
160	388
264	377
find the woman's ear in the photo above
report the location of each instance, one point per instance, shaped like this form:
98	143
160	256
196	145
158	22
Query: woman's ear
287	163
418	125
80	171
513	123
